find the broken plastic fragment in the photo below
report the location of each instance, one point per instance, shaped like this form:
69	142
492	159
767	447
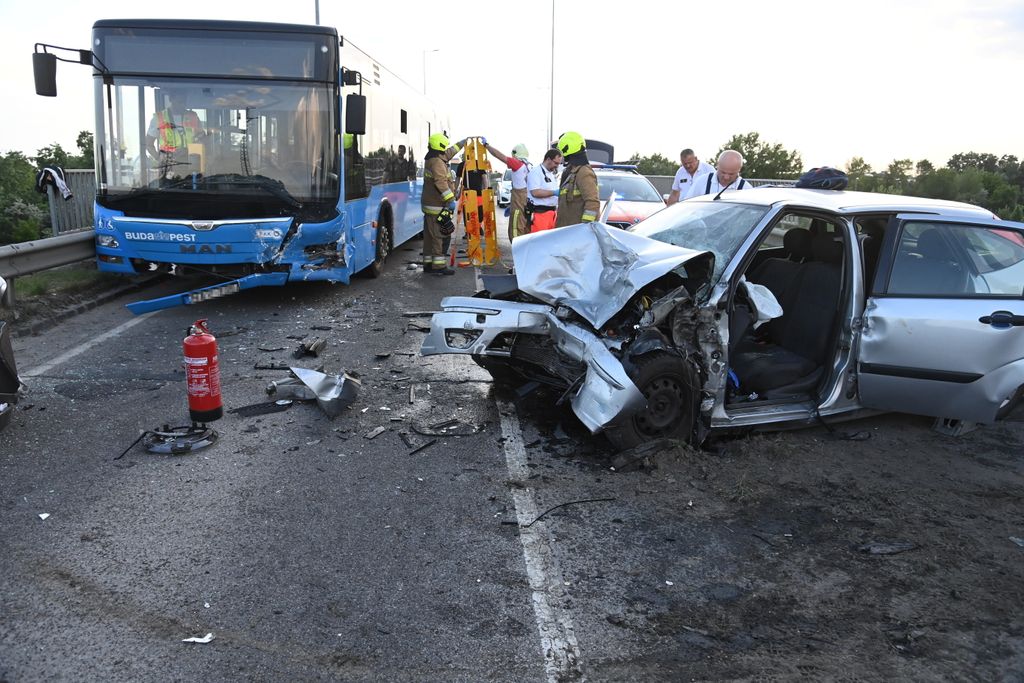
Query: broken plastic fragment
205	639
374	433
333	393
44	515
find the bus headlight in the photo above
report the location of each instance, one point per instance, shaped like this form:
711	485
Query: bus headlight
107	241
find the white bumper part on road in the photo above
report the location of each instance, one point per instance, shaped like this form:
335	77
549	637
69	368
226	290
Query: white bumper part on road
468	325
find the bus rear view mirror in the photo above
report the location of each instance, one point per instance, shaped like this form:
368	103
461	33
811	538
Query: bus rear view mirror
355	114
44	69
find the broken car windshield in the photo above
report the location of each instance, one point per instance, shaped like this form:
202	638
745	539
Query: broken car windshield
704	226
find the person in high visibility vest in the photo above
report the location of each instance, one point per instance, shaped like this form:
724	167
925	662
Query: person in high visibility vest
520	166
438	203
174	128
578	197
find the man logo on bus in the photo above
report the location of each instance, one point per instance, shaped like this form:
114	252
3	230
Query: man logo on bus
206	249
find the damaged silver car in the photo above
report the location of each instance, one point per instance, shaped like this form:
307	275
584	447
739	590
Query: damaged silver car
769	307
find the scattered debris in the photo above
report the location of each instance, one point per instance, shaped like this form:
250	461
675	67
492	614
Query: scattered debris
562	505
205	639
178	440
375	432
418	314
265	408
322	328
333	393
44	515
297	337
1018	541
409	443
313	347
418	327
423	447
448	428
382	355
886	548
291	388
271	366
268	348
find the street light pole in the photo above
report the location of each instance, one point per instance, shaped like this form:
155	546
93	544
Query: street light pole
317	3
425	68
551	104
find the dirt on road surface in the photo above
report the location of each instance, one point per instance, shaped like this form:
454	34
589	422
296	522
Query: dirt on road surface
879	551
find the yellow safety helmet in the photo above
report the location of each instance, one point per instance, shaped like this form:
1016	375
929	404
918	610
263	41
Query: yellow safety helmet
519	152
438	141
571	142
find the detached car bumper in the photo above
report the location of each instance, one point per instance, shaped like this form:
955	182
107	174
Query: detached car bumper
487	329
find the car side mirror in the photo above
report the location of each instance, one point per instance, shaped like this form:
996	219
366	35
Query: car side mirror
44	70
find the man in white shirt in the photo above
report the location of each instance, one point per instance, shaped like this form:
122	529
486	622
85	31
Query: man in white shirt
542	191
727	177
691	168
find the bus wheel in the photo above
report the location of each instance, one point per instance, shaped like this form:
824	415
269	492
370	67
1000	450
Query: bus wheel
383	245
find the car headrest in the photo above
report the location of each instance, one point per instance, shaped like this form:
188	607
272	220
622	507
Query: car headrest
873	227
827	249
931	245
797	243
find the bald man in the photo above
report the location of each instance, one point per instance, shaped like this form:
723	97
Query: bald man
727	177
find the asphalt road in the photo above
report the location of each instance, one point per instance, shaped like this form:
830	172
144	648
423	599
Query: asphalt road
308	550
311	552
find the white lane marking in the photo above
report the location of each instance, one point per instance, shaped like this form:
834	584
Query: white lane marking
65	357
562	661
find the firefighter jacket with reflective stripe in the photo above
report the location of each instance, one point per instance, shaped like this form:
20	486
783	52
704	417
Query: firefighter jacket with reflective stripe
578	199
174	137
438	188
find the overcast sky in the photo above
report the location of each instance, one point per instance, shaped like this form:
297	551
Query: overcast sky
881	79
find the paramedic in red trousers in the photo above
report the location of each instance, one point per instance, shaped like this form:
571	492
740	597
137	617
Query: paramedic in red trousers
438	196
542	188
727	177
520	167
578	198
691	168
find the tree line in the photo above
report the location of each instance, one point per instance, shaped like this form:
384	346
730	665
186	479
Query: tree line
994	182
24	215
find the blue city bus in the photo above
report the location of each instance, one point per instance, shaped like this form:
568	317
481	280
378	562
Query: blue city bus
260	153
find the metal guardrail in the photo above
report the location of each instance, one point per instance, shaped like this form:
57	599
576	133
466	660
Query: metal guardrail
73	214
26	258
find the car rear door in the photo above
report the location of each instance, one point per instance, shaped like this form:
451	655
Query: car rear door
943	328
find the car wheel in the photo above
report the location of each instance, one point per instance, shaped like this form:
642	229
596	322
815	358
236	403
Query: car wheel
670	386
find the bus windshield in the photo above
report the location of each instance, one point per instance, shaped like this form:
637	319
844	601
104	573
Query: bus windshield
161	137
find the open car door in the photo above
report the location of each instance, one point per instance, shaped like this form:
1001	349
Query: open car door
943	329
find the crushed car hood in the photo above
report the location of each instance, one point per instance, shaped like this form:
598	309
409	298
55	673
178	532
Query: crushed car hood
592	268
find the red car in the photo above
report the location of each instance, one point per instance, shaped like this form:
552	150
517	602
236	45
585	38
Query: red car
635	197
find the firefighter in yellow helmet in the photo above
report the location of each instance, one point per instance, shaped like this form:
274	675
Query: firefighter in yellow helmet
438	203
578	199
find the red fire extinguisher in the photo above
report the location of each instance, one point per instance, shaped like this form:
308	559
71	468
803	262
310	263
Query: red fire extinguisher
202	374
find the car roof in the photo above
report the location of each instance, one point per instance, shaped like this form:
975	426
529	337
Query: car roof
611	170
844	202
